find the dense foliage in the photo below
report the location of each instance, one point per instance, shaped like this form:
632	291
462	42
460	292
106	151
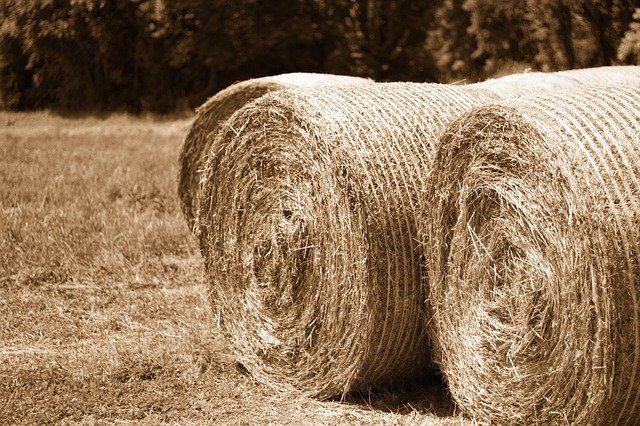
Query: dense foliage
161	55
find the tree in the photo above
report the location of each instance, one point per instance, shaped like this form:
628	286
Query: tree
50	39
452	45
76	55
218	42
500	30
138	55
606	22
629	50
551	24
380	39
15	79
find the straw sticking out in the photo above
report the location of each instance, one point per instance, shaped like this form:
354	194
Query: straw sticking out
532	247
309	236
212	114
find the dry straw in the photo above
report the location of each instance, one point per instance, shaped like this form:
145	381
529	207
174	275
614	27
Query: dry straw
309	236
533	246
217	109
528	83
213	113
309	231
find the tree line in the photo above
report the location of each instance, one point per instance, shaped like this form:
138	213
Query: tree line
165	55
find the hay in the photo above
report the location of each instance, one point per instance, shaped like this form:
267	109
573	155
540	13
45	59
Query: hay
217	109
309	236
530	83
533	258
620	74
526	84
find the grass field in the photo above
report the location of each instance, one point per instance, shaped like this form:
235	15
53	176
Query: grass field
104	316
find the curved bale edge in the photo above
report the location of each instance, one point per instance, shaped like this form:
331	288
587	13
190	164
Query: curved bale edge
211	115
531	83
533	253
309	236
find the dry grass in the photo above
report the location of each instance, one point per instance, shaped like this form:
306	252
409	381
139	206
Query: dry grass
309	237
104	317
529	83
533	250
213	113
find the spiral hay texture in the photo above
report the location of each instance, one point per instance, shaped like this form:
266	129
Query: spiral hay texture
533	246
309	236
530	83
217	109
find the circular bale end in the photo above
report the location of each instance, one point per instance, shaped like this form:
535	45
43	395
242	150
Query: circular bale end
309	237
216	110
532	251
288	259
209	117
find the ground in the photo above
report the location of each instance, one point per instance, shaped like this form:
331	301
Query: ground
104	315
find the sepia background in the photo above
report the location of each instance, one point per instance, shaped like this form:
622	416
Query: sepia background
104	311
157	55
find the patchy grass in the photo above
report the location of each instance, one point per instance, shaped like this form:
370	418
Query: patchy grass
104	316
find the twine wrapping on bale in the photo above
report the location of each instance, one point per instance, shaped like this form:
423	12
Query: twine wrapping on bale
528	83
618	74
211	115
219	107
309	237
532	247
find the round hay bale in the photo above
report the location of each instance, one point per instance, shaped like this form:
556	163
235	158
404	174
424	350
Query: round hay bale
308	231
526	84
619	74
217	109
530	83
532	246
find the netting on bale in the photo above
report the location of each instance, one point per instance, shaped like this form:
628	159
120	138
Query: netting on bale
530	83
532	248
619	74
309	236
217	109
527	83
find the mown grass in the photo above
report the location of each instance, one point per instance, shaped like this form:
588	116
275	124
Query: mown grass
104	316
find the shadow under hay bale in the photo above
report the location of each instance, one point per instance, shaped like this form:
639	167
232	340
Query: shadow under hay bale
309	237
430	396
533	258
212	114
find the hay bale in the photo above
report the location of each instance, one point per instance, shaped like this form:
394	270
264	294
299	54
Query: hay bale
533	246
526	83
309	236
217	109
619	74
529	83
